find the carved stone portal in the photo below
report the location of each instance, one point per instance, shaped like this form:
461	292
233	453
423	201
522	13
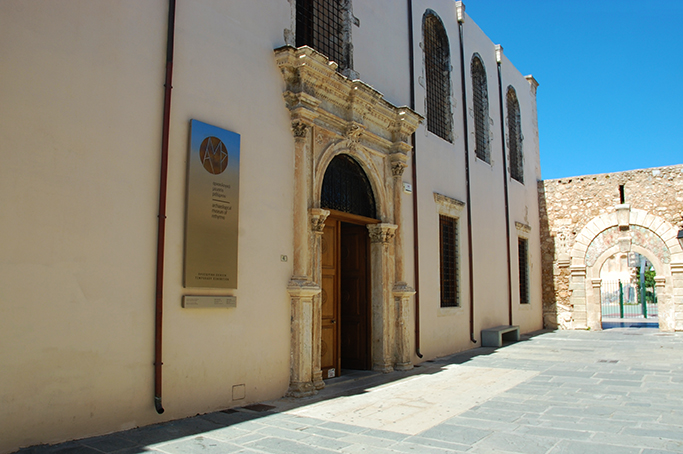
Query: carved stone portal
333	115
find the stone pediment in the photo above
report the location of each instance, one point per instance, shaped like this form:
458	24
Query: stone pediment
317	94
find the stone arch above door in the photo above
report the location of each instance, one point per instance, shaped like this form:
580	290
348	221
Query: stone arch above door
626	230
373	166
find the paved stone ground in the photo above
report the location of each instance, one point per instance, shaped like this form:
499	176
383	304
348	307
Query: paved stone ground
614	391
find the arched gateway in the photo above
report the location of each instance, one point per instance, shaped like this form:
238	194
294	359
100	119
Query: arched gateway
626	230
336	123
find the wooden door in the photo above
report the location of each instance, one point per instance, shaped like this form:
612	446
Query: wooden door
354	301
329	352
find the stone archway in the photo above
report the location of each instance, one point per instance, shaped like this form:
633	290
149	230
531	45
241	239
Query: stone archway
623	231
334	115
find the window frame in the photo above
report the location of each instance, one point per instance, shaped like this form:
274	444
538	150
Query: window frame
523	264
515	137
450	209
438	86
480	106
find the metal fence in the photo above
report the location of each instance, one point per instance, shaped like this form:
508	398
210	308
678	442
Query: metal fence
625	300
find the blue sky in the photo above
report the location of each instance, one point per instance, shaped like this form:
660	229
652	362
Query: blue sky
610	74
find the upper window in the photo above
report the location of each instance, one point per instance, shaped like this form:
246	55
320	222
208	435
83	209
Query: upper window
515	136
437	56
321	24
480	97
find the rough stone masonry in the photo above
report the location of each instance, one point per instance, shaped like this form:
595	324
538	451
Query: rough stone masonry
567	205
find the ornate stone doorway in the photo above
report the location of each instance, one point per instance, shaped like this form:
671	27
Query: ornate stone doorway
338	119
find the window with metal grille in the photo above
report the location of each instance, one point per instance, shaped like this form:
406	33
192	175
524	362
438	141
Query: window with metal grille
480	99
515	136
437	57
448	245
320	25
523	246
346	188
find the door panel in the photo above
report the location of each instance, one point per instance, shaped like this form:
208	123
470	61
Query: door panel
354	301
330	300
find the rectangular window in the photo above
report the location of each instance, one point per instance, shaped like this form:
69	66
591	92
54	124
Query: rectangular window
523	270
448	242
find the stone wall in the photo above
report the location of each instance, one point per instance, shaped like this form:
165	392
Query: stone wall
568	204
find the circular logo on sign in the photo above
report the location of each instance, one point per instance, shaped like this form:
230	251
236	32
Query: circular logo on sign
214	155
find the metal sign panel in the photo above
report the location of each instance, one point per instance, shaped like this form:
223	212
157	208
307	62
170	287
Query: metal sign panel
212	207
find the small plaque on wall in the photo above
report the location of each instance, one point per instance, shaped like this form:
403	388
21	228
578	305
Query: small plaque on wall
209	301
212	207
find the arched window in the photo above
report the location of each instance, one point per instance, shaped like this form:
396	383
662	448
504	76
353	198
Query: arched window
437	57
321	24
480	96
515	136
346	188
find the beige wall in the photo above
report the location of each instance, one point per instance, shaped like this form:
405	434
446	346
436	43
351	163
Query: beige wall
82	97
81	93
441	169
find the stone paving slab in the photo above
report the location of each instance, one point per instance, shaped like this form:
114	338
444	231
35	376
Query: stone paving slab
565	392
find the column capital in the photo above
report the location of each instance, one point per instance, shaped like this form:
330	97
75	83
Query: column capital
300	287
318	216
382	233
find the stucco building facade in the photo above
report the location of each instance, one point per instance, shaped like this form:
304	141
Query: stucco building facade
388	202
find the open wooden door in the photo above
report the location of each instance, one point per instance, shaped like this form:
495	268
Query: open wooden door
329	352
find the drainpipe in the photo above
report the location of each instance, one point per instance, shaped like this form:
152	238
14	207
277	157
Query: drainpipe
416	251
460	11
163	185
499	58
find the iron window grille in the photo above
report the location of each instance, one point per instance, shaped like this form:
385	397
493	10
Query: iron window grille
320	25
346	188
523	249
438	77
481	109
448	245
515	136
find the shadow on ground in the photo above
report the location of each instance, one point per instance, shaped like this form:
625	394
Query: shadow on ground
350	383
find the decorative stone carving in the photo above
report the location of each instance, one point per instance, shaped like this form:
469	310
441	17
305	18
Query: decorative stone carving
318	217
397	168
299	129
382	233
623	215
354	131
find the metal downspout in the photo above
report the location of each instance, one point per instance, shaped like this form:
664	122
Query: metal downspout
416	251
461	18
499	57
163	185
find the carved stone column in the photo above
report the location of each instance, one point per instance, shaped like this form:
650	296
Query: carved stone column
397	168
301	288
382	276
302	183
401	291
317	218
301	293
